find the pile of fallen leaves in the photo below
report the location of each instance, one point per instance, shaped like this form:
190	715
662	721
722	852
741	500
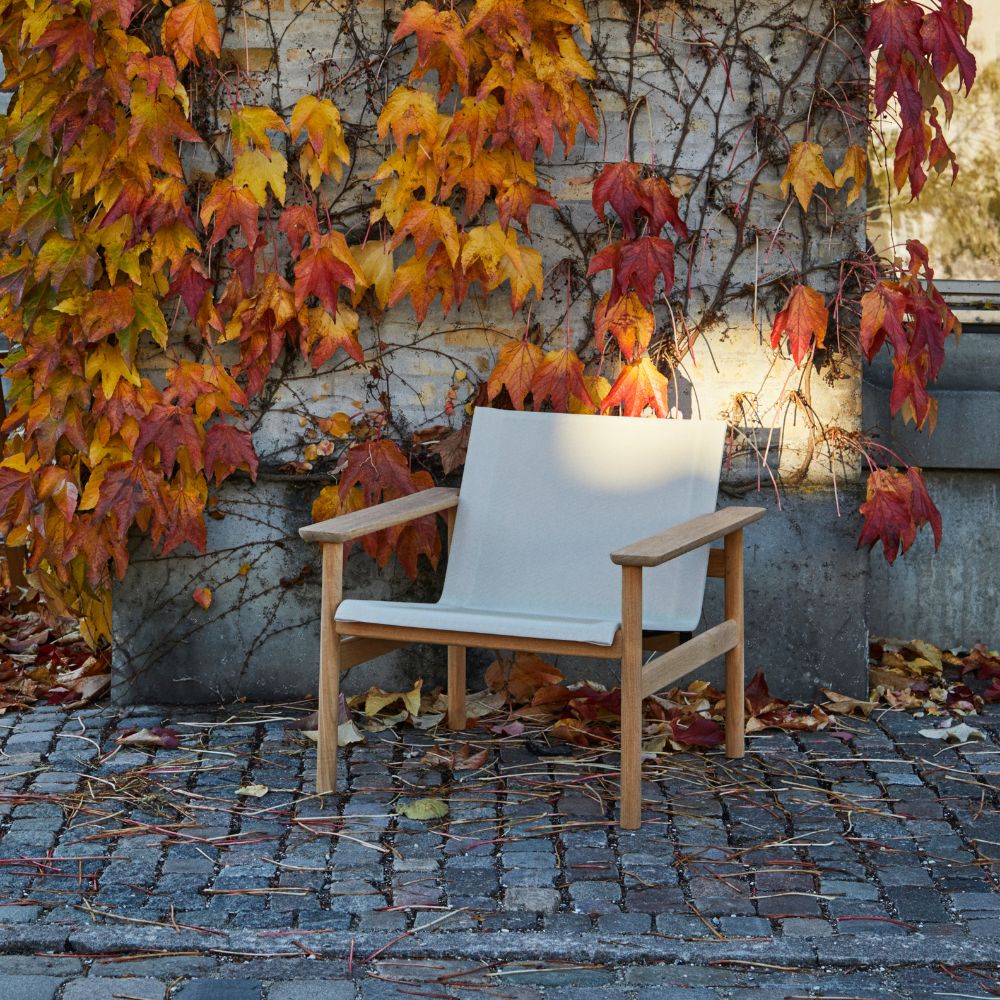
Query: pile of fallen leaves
42	661
525	690
919	677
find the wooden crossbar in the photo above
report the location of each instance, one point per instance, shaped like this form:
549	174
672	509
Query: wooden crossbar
672	666
361	650
478	640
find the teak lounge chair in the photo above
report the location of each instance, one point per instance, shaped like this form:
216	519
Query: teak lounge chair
550	507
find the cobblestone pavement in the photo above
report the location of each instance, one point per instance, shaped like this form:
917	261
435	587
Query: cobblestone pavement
861	863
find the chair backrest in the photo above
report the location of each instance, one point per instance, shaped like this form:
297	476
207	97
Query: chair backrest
546	498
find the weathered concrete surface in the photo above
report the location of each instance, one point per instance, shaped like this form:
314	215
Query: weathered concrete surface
805	599
950	597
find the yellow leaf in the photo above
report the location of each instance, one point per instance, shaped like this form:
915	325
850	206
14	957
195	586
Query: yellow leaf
805	170
854	168
106	360
326	150
337	425
376	700
255	170
251	125
253	791
408	112
424	809
376	262
244	569
20	462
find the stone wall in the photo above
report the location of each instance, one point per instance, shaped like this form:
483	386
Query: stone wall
723	83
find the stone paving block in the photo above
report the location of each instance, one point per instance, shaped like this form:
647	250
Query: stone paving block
24	987
313	989
220	989
537	900
113	988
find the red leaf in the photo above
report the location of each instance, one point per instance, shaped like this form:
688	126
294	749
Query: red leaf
804	319
897	506
697	732
943	35
228	448
636	264
621	186
320	271
661	206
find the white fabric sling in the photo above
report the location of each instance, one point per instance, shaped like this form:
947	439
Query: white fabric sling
545	499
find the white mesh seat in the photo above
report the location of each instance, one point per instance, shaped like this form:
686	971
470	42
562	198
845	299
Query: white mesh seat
484	621
546	497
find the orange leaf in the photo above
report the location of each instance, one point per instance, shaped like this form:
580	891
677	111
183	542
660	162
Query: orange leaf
640	384
202	596
189	26
514	370
804	318
805	170
559	376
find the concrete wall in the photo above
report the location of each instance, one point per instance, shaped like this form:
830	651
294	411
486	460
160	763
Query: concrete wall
949	596
806	581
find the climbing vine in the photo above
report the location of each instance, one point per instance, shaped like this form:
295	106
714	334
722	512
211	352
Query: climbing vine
179	236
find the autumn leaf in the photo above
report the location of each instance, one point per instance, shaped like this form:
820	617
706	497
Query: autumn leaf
514	371
321	270
427	223
202	596
639	384
559	376
636	265
230	205
853	168
628	321
803	319
258	171
377	264
326	153
621	186
248	128
896	507
805	170
697	731
522	677
323	335
189	26
228	448
407	112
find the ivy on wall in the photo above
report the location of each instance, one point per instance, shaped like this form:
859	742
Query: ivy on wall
116	247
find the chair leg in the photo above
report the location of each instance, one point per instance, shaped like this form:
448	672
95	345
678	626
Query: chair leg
329	669
631	749
735	738
456	687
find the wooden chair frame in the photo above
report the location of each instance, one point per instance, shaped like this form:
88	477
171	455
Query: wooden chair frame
346	644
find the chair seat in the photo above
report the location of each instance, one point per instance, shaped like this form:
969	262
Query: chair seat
448	618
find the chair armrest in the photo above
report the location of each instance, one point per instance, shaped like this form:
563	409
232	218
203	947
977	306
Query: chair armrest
693	534
382	515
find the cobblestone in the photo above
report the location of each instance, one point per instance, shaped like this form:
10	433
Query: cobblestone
878	853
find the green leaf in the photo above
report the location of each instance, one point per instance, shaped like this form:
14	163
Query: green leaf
424	809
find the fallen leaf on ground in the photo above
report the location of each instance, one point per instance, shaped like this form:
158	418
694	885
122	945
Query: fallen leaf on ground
424	809
843	704
253	791
158	736
962	733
